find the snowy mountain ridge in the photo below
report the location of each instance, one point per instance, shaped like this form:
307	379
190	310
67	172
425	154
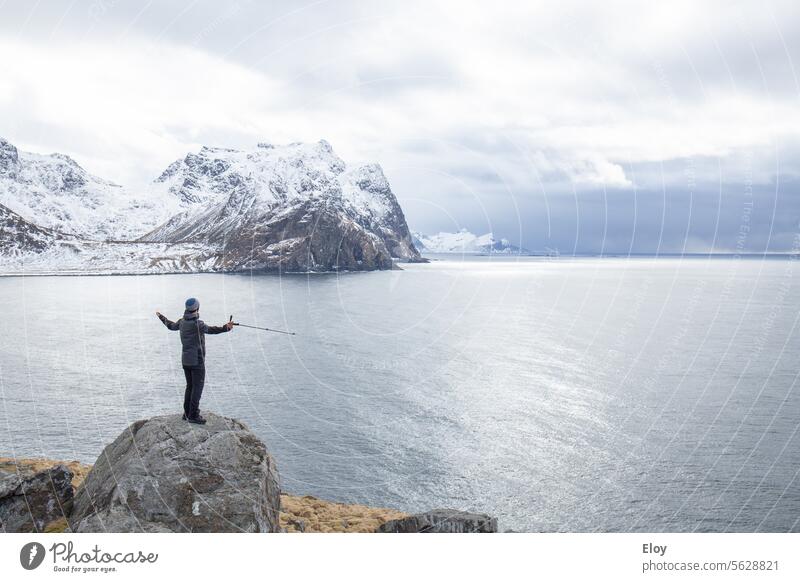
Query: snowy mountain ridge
296	207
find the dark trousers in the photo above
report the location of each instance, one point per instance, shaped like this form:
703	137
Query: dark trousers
195	378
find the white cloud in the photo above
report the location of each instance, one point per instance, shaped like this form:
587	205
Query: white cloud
597	171
578	93
127	108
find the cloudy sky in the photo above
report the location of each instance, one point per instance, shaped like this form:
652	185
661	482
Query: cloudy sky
617	127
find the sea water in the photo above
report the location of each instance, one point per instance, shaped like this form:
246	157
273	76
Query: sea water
577	394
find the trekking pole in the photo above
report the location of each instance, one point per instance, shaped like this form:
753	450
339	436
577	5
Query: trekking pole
261	328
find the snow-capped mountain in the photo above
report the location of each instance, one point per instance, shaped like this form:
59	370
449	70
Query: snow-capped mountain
297	207
54	192
465	242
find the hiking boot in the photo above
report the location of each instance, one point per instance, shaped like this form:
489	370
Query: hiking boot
183	416
197	420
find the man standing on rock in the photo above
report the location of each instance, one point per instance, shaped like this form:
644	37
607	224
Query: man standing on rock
193	339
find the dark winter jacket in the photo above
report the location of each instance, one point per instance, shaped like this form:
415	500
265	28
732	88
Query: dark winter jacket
193	336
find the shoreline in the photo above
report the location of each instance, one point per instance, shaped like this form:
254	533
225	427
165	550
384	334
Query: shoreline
429	258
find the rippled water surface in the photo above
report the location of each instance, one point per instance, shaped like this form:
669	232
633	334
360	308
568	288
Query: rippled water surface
571	394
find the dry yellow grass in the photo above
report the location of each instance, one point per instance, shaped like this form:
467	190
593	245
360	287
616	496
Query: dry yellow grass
309	514
298	513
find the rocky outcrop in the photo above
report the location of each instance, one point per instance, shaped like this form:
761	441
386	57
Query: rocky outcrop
167	475
441	521
29	500
299	513
19	237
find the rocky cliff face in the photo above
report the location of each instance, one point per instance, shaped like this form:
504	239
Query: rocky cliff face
297	207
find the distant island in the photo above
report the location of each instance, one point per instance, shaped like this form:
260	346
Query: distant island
465	242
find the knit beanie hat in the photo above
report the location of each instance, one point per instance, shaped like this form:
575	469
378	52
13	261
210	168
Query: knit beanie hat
192	304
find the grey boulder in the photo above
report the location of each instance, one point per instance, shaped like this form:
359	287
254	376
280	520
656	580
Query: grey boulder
167	475
441	521
29	501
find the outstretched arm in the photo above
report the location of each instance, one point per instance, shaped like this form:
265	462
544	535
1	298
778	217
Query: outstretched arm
212	329
171	325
